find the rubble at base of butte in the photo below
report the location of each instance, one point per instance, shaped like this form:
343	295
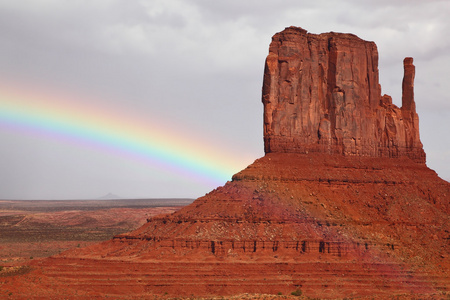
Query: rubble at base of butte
341	205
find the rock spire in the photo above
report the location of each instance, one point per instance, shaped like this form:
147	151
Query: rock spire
321	94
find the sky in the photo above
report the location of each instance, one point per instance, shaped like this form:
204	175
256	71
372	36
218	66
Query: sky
152	99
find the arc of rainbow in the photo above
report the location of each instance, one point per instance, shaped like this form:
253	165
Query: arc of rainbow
112	131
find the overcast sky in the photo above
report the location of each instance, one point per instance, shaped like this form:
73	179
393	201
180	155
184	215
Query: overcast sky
193	69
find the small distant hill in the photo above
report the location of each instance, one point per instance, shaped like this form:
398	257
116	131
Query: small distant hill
109	196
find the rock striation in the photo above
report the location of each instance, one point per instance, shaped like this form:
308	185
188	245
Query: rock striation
321	94
341	205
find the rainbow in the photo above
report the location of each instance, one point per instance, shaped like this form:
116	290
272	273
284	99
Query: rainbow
113	130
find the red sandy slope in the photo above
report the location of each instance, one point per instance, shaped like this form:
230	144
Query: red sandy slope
332	226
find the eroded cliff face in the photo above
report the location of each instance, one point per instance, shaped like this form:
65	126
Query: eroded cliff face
321	94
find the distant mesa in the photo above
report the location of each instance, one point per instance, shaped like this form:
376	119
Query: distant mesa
110	196
341	205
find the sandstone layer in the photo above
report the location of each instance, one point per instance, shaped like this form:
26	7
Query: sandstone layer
341	205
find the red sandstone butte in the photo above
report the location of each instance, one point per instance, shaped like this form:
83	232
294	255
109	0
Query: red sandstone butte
321	94
341	205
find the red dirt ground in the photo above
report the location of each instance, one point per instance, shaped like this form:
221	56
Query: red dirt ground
37	229
331	226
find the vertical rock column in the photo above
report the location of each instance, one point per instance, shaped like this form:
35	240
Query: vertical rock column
408	104
412	142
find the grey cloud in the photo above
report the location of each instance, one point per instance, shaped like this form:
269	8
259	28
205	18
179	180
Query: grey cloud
196	63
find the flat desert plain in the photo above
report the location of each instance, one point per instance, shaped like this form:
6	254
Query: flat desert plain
36	229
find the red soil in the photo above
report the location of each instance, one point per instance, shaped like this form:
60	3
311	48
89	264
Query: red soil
332	226
27	234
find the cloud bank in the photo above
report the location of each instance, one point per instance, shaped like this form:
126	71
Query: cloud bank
195	68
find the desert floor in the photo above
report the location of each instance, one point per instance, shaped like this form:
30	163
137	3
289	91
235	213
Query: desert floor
36	229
